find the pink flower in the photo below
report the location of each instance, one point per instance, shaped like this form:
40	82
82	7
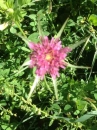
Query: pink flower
48	56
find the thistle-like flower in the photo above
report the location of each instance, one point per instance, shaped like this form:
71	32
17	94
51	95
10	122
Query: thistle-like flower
48	56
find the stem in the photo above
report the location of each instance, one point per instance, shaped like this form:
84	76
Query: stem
47	85
39	25
55	88
21	69
20	29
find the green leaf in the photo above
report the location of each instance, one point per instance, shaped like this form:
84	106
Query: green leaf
95	95
55	88
67	107
61	30
93	1
56	107
93	19
22	2
25	49
3	4
73	46
76	112
87	116
6	127
3	103
81	104
13	30
93	62
32	16
79	67
34	37
70	23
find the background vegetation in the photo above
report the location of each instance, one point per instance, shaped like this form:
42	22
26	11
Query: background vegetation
76	108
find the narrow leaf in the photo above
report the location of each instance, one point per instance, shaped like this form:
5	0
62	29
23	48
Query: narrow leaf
61	30
87	41
94	58
55	88
37	78
73	46
87	116
74	66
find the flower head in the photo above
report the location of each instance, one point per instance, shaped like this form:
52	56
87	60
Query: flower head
48	56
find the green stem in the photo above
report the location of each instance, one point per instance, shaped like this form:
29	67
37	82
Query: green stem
20	29
47	85
21	69
39	25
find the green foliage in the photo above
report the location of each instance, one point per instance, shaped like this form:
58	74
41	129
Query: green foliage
93	19
76	107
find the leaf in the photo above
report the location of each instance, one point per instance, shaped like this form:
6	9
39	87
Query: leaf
73	46
78	67
23	2
55	88
86	116
36	81
3	103
34	37
56	107
93	1
71	23
87	41
3	4
95	95
76	112
6	127
13	30
32	16
67	107
51	122
81	104
93	62
25	49
93	19
61	30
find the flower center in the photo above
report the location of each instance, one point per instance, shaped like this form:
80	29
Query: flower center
49	56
